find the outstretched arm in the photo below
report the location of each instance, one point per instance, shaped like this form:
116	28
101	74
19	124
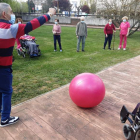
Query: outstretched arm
18	30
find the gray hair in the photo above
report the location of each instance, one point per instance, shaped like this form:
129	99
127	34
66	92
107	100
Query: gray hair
4	8
82	18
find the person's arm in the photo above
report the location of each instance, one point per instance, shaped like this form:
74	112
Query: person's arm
128	29
18	30
59	30
77	29
105	30
114	28
86	29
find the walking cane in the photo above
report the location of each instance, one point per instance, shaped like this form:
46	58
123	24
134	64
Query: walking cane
113	40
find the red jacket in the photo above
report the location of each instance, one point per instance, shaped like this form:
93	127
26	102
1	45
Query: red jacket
9	33
109	29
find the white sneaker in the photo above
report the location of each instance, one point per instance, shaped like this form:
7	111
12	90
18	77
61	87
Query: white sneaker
9	121
54	50
60	50
124	49
118	48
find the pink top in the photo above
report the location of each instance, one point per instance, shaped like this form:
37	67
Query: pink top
57	29
124	28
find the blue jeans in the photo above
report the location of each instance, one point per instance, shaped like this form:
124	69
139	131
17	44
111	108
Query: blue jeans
83	38
57	38
108	39
5	92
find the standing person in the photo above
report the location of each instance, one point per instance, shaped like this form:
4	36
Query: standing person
18	21
8	34
81	33
56	34
124	32
108	31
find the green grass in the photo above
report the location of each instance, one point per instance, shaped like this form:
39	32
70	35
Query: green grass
35	76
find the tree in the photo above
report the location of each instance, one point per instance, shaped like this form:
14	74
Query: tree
46	5
31	6
85	8
93	8
64	5
24	7
117	9
20	6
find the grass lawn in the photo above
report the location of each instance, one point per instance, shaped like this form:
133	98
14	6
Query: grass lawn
32	77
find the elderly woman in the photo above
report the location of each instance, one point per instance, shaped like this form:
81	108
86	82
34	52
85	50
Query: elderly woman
124	32
81	33
108	30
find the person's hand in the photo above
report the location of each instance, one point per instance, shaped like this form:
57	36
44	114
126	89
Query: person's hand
52	11
54	32
106	35
127	34
77	36
114	31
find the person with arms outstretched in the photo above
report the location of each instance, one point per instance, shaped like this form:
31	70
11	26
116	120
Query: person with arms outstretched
9	32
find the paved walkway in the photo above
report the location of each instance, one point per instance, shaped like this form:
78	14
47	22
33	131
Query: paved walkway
53	116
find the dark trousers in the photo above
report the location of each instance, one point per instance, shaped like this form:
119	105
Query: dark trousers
5	92
108	39
57	38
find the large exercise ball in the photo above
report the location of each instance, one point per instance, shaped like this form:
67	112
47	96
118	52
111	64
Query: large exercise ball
87	90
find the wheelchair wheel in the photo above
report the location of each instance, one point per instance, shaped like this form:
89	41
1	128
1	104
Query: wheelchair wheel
18	51
128	132
137	134
39	52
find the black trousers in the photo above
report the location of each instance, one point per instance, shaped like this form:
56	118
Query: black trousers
108	39
57	38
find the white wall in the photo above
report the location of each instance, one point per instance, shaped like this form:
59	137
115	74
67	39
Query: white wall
67	20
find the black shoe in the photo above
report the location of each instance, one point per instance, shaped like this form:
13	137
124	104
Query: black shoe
9	121
104	48
109	48
83	50
77	51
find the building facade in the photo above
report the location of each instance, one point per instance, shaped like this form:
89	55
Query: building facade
38	4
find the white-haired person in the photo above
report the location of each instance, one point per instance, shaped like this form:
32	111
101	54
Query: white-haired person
81	33
108	31
124	32
8	34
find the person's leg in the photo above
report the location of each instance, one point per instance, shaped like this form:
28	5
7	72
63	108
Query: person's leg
6	106
54	36
83	42
0	102
109	41
78	43
6	90
121	39
106	39
125	42
59	42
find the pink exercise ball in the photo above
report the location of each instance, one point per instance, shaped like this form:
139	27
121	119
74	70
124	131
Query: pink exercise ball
87	90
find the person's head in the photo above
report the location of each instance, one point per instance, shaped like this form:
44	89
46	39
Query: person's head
125	18
82	18
110	21
56	21
6	12
18	20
